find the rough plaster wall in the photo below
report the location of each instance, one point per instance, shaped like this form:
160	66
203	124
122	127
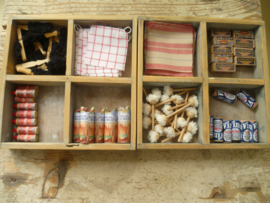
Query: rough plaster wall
137	176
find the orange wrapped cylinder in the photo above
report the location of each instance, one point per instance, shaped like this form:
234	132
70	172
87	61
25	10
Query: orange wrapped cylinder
124	125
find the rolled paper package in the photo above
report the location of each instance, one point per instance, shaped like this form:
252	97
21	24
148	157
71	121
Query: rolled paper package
27	87
76	126
124	125
91	125
26	130
99	126
25	138
25	93
25	114
25	121
227	97
109	129
84	125
25	106
246	99
24	100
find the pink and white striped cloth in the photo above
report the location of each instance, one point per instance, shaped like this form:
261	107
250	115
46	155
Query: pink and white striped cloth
168	49
101	51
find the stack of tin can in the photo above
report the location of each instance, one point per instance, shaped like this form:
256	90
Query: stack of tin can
229	131
26	115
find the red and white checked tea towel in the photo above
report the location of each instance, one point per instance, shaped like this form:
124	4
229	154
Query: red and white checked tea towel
107	47
168	49
82	68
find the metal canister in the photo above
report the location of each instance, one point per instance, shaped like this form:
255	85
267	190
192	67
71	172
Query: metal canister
245	133
225	96
25	93
218	129
227	131
246	99
236	130
26	130
25	121
250	126
255	135
211	125
26	138
24	100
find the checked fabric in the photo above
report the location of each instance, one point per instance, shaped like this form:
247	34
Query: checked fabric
101	51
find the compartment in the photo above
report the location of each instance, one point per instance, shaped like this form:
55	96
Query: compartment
112	22
11	57
197	138
252	72
101	96
197	62
50	101
239	110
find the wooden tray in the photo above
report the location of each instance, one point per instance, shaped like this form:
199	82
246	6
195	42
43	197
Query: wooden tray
255	80
60	96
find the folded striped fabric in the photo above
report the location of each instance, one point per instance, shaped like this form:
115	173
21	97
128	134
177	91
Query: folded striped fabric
101	51
168	49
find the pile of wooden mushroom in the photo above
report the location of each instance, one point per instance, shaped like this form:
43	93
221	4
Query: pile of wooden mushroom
166	113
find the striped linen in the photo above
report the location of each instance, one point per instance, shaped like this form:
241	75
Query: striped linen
168	49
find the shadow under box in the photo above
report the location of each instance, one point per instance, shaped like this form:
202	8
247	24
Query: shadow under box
50	104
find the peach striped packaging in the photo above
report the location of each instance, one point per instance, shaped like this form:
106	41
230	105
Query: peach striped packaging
169	49
124	125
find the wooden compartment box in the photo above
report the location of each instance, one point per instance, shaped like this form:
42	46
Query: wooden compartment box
59	96
254	79
251	72
239	111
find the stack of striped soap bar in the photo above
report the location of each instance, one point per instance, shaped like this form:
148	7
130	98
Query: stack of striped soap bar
169	49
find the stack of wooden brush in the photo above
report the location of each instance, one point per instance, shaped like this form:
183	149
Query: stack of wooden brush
169	121
40	50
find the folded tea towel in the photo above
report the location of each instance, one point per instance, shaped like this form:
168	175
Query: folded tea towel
81	68
107	47
168	49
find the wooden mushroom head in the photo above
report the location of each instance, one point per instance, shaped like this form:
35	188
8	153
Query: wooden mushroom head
192	101
191	114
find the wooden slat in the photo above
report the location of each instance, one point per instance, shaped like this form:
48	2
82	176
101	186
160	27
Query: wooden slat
37	79
36	145
266	78
140	82
43	79
68	120
237	81
206	139
134	85
70	47
3	75
63	146
201	146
